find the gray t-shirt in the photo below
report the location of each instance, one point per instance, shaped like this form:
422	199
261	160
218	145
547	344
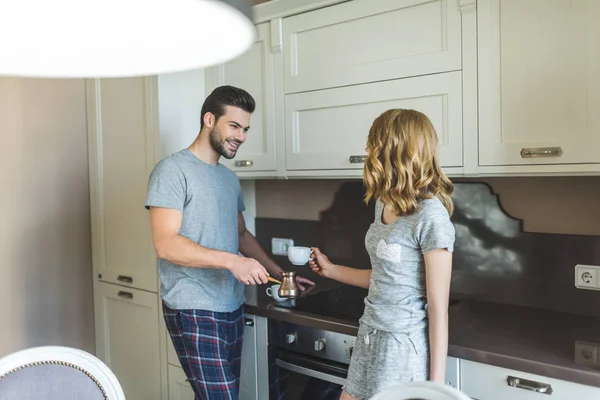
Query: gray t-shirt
210	198
397	295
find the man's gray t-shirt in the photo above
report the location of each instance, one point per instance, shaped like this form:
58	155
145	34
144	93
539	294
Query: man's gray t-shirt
210	198
397	294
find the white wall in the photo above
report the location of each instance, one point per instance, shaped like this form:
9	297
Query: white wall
45	244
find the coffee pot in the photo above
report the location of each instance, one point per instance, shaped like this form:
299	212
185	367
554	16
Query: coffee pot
289	288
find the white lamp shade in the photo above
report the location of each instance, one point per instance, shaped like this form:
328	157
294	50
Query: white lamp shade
120	38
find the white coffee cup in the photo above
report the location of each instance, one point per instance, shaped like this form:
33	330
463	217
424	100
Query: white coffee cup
273	291
299	255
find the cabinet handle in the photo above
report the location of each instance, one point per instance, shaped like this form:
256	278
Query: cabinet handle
534	386
541	152
357	159
125	295
248	322
126	279
244	163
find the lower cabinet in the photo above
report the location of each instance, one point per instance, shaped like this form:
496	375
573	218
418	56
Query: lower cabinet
179	387
453	372
127	338
249	378
486	382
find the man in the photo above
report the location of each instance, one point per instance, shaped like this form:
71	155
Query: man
198	231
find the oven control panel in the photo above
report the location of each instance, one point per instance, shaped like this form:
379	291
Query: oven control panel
309	341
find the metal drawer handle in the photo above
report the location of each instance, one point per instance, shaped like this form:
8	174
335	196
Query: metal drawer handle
244	163
541	152
357	159
534	386
125	295
309	372
126	279
248	322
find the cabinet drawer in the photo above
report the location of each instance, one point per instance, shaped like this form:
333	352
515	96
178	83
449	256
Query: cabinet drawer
486	382
324	129
364	41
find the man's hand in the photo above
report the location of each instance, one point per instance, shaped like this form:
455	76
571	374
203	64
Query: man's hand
249	271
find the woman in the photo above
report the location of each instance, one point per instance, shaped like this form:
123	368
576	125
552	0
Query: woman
403	333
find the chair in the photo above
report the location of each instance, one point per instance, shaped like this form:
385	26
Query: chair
56	373
426	390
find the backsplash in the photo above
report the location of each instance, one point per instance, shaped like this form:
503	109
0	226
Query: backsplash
494	259
567	205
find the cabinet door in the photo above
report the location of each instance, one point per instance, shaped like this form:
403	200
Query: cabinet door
248	379
254	72
122	145
326	129
486	382
453	372
539	86
179	387
364	41
127	338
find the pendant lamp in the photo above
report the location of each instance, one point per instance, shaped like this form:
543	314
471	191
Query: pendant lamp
120	38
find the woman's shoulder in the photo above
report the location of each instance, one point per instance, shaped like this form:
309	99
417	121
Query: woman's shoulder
431	207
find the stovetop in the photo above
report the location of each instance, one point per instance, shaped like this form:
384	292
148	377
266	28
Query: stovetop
347	302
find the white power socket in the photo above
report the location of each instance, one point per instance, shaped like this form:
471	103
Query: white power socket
587	277
280	246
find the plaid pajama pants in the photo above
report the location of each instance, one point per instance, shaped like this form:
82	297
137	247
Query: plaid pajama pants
209	348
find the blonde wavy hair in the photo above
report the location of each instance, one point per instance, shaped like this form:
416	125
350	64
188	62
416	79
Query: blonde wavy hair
402	167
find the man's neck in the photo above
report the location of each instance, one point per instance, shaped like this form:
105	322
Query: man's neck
202	149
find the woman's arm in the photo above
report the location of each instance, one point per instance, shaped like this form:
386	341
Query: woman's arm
438	271
321	265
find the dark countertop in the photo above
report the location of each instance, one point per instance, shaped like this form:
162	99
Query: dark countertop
524	339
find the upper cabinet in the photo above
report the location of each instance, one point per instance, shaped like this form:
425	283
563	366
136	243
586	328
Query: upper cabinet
362	41
327	130
255	72
539	84
511	86
122	140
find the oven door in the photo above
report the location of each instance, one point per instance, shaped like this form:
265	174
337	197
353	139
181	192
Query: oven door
296	377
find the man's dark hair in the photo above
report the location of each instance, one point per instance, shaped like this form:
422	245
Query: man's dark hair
224	96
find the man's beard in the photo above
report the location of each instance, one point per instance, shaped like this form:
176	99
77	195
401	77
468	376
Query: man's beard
219	144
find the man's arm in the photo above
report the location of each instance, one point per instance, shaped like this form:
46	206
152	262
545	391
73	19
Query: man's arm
250	247
169	245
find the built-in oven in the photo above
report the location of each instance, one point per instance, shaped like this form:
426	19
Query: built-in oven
307	363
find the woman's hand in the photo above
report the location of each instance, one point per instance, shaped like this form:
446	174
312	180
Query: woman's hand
320	264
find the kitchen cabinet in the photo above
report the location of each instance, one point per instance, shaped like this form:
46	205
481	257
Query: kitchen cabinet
256	71
249	372
362	41
539	87
122	140
124	145
179	387
127	338
328	129
486	382
453	372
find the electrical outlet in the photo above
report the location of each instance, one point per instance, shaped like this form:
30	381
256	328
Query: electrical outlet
280	246
586	353
587	277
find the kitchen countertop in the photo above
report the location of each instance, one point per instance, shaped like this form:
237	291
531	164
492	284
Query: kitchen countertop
525	339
